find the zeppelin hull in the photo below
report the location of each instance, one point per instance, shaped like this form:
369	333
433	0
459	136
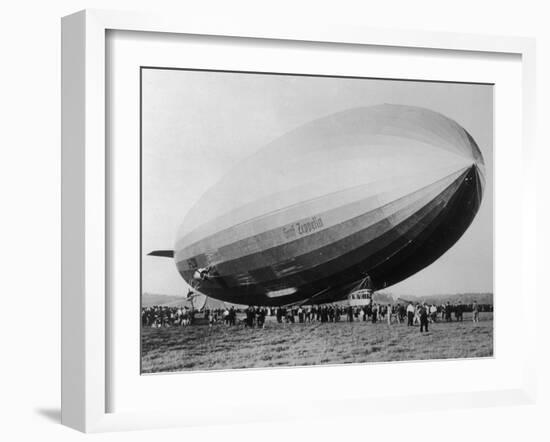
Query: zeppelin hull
384	192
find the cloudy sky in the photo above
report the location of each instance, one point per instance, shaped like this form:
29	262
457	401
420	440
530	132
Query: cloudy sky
197	125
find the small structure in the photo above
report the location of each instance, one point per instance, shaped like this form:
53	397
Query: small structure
361	295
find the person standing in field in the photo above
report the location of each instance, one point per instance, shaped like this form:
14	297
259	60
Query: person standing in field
475	312
211	318
416	319
250	316
410	314
262	313
423	311
389	314
308	314
350	313
279	315
331	313
459	311
401	312
448	312
433	313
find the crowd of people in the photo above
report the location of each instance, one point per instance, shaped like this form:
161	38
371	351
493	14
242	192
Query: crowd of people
407	312
163	316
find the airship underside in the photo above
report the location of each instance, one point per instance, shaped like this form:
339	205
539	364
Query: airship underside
381	191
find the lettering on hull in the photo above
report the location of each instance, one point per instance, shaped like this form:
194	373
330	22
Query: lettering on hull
304	227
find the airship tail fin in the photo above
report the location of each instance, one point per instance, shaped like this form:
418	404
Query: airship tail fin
162	253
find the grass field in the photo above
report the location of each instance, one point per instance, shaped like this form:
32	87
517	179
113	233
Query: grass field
220	347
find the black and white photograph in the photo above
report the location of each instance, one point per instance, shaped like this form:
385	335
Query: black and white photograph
299	220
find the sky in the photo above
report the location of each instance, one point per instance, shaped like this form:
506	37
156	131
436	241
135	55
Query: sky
197	125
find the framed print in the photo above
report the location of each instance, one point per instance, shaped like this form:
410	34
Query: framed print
252	211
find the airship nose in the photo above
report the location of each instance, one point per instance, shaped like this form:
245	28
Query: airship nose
478	163
476	180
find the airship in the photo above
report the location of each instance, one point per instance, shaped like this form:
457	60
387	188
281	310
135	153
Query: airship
373	193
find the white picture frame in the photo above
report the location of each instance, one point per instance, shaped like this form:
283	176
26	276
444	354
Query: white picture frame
85	202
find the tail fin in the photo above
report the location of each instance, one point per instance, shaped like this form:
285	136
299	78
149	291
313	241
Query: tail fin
162	253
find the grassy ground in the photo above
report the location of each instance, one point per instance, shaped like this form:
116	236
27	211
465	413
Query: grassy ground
221	347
